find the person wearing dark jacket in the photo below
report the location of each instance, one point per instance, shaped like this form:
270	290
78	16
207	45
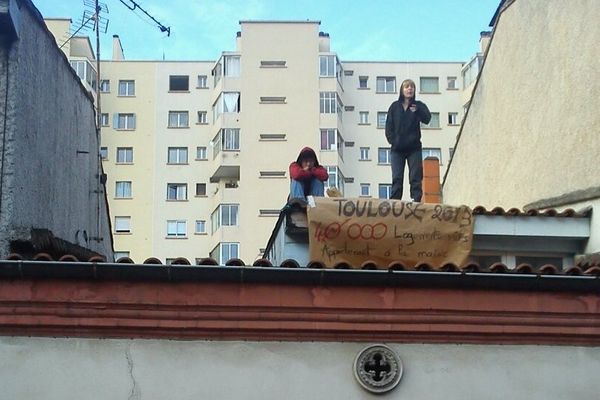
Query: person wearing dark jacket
403	133
307	176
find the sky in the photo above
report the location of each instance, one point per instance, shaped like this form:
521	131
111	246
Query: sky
376	30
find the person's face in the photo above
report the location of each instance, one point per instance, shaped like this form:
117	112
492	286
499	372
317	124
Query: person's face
308	163
408	90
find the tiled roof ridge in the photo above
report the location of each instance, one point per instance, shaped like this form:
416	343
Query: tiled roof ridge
516	212
582	268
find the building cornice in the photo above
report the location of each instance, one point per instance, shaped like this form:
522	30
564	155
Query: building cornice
169	305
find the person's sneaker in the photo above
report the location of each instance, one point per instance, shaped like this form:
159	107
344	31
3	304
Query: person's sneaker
297	202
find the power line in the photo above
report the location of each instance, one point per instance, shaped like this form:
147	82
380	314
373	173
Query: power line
137	6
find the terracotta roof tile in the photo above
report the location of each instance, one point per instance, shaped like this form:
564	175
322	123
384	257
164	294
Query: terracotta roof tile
515	212
585	267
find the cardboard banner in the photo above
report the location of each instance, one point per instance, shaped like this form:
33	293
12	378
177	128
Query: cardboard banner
355	231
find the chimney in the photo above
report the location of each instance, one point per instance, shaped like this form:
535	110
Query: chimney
117	52
431	181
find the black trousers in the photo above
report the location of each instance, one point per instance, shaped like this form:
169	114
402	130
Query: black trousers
415	173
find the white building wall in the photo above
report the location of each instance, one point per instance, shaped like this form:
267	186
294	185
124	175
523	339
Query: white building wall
90	369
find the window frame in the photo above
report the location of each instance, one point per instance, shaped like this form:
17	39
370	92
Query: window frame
422	79
387	160
122	219
173	83
180	155
123	193
387	187
182	119
383	88
125	152
176	223
126	88
181	191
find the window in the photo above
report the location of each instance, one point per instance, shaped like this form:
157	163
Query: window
177	155
429	85
179	83
225	251
122	224
451	152
104	86
432	152
452	118
123	190
269	212
272	99
434	123
364	153
177	191
124	155
228	139
274	137
381	118
224	215
202	81
176	228
327	102
85	72
104	153
200	226
328	139
200	189
202	117
227	102
383	155
126	88
272	64
231	66
363	82
124	121
120	254
385	191
365	189
452	83
231	139
386	84
104	119
336	179
178	119
201	153
363	117
326	65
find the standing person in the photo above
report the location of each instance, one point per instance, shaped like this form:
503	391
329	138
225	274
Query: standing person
403	133
307	177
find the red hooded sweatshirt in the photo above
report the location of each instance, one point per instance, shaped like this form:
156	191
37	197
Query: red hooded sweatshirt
298	174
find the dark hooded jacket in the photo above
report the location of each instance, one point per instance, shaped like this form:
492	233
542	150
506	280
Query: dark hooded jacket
403	128
298	174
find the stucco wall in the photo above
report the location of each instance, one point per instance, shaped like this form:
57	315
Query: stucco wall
533	128
63	368
50	150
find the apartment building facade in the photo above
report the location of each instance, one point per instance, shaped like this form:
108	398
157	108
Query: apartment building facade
197	152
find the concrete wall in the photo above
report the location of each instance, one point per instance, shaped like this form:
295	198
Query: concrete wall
59	368
532	131
49	158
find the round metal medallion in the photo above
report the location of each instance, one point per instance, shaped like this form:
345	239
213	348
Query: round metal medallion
378	369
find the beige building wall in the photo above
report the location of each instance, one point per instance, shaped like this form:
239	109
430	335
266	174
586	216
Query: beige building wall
531	135
197	369
279	84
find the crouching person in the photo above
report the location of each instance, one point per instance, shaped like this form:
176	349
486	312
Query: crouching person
307	177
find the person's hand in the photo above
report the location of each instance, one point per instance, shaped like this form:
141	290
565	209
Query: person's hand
306	168
413	107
